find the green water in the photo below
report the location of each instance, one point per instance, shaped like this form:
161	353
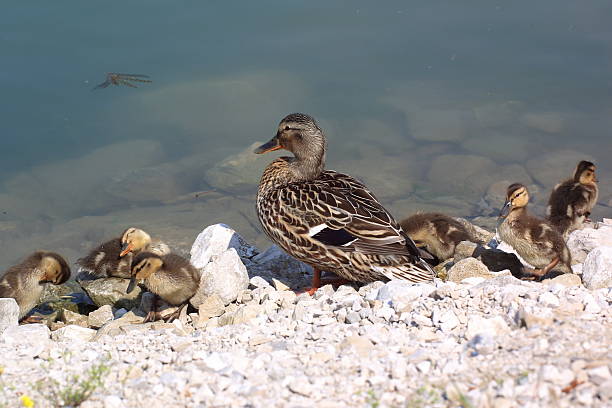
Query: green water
436	105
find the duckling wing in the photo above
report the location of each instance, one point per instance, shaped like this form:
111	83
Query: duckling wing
341	211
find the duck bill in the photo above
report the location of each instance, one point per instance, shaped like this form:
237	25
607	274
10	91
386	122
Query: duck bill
503	213
125	249
132	285
270	146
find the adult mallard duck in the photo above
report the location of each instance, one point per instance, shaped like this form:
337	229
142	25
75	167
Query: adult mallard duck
25	282
534	239
327	219
438	233
571	201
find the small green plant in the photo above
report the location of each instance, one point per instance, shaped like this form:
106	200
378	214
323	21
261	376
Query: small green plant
77	389
372	399
424	397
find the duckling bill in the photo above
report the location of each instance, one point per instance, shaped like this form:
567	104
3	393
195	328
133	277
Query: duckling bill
171	277
534	239
25	281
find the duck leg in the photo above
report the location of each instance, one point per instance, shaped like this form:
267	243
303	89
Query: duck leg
541	272
152	315
175	314
317	282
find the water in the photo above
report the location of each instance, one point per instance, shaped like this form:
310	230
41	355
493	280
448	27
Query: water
428	102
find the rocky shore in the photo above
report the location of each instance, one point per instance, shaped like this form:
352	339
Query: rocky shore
482	338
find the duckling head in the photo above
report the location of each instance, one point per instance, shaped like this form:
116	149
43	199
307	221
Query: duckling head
134	240
585	173
516	197
145	265
54	267
301	135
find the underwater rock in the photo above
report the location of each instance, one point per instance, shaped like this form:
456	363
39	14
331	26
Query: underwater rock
437	125
548	122
239	172
112	291
551	168
225	276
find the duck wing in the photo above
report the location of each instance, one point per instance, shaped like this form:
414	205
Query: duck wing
341	211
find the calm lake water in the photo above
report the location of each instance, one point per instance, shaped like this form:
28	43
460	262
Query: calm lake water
436	105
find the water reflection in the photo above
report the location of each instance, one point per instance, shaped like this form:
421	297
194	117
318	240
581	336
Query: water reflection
435	106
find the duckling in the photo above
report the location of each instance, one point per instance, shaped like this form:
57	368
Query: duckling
571	201
25	282
437	233
114	257
171	277
534	239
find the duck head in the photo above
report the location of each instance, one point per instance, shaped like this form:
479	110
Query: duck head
145	265
516	197
134	240
299	134
585	173
54	267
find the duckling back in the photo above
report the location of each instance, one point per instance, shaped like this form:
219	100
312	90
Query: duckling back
104	261
437	233
570	204
175	282
25	281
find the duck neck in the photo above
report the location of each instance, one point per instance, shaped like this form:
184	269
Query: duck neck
287	170
306	168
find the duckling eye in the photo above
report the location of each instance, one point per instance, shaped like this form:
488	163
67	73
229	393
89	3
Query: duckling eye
287	127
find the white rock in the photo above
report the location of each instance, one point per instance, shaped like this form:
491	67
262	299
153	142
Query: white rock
113	401
597	268
225	276
445	319
548	299
214	241
399	294
480	325
97	318
583	241
72	333
259	282
9	313
29	334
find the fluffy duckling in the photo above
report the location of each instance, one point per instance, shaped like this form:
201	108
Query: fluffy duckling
114	257
437	233
171	277
571	201
534	239
25	282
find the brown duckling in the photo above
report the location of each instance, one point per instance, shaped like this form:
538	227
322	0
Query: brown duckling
25	282
437	233
571	201
534	239
114	257
171	277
